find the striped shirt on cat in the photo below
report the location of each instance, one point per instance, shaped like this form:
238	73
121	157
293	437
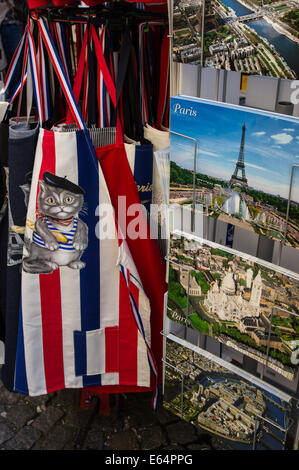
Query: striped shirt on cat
69	236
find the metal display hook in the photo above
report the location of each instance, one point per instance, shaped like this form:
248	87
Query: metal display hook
282	244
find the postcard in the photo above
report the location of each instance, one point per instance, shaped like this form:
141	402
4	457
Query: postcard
220	402
243	36
245	305
245	162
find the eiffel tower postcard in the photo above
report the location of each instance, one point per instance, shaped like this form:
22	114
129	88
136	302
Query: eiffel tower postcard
246	161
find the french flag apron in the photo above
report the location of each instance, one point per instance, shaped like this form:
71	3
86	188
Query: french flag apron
84	321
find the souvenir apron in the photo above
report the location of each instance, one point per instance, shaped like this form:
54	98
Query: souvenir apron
81	305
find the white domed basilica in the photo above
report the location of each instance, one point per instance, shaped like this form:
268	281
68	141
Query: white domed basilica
227	303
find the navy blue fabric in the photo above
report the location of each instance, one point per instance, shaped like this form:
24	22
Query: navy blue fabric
3	224
21	154
21	384
80	353
90	275
143	173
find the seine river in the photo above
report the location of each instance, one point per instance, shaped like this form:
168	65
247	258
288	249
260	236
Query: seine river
287	48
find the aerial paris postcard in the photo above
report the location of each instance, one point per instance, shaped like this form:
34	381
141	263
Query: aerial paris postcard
243	304
235	278
218	401
244	163
247	36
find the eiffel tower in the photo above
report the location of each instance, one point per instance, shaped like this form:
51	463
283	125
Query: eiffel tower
240	166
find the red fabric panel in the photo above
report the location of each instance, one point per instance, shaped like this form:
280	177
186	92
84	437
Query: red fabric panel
52	330
145	251
51	304
128	337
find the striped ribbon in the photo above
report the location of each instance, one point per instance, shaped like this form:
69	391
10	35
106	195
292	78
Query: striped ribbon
18	88
16	93
60	73
60	37
35	76
43	78
138	320
14	62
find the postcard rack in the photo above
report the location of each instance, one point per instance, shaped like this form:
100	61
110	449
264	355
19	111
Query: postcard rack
178	331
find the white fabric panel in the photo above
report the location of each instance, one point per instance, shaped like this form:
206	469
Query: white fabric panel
159	139
95	351
130	151
32	325
66	144
33	339
109	274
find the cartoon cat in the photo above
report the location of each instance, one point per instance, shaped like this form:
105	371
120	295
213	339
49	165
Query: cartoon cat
59	236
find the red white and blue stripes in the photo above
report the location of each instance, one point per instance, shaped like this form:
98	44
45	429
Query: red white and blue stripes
88	327
133	300
65	85
14	62
60	37
35	75
43	78
78	327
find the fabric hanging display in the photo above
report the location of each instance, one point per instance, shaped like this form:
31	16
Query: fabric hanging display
3	221
74	331
63	3
140	156
21	152
8	245
90	309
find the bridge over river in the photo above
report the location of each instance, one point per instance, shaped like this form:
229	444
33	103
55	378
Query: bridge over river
257	15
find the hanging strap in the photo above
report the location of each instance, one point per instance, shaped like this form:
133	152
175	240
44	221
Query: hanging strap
60	73
79	75
101	88
108	82
66	88
143	78
129	101
24	67
35	75
104	68
60	38
18	88
164	80
43	78
14	62
105	73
